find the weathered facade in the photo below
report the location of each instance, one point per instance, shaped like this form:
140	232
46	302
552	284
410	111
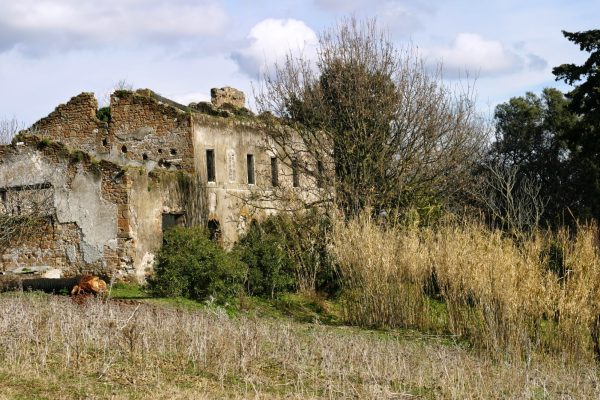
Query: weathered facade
111	187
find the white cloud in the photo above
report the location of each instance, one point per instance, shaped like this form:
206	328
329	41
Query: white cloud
40	25
271	40
400	18
473	54
339	5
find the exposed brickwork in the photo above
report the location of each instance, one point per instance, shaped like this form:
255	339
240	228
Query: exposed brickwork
45	245
143	129
75	124
119	179
60	245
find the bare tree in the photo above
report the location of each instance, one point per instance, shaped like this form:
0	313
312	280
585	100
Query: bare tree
369	123
8	129
24	210
510	198
121	84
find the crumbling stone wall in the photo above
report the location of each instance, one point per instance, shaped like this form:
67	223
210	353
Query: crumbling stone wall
53	244
146	129
75	125
87	228
113	183
152	196
227	96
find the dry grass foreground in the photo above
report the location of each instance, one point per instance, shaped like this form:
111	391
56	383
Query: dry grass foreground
52	348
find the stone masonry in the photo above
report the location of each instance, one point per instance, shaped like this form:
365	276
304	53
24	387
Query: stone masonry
115	186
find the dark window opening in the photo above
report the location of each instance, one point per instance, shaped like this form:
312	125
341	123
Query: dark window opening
250	164
173	152
295	174
124	149
159	151
214	230
320	173
104	142
274	172
210	166
172	220
144	156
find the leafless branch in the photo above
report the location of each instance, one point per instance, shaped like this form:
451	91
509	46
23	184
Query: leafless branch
512	199
370	123
8	129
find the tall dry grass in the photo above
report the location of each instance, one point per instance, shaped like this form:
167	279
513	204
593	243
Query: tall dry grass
512	296
52	348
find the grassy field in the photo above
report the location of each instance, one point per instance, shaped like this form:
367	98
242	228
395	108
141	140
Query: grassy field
135	347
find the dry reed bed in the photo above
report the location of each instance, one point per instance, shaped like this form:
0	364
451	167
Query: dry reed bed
61	350
510	296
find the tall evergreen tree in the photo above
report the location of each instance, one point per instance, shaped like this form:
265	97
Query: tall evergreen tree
530	133
584	138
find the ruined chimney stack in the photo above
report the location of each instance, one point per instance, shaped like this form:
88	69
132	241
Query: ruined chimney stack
227	95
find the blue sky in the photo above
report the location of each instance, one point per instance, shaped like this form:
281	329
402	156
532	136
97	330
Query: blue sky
51	50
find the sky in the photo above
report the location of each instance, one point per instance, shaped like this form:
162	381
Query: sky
52	50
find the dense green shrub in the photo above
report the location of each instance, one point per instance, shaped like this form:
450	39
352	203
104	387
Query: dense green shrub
309	239
286	252
263	250
191	265
103	114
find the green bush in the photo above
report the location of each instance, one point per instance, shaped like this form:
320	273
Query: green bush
190	265
263	250
103	114
286	252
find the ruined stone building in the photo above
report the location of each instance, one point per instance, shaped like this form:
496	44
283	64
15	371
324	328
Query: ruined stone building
110	187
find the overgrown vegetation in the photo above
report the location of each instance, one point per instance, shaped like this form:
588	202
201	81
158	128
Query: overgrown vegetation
371	123
103	114
515	283
392	159
510	297
270	268
301	239
56	349
191	265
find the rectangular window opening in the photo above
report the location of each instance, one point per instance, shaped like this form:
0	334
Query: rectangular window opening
172	220
274	172
210	166
250	163
295	173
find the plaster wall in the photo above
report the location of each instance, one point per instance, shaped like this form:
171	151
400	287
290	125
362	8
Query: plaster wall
227	197
145	212
80	231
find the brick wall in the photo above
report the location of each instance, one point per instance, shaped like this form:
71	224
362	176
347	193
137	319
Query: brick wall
144	128
62	244
75	124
